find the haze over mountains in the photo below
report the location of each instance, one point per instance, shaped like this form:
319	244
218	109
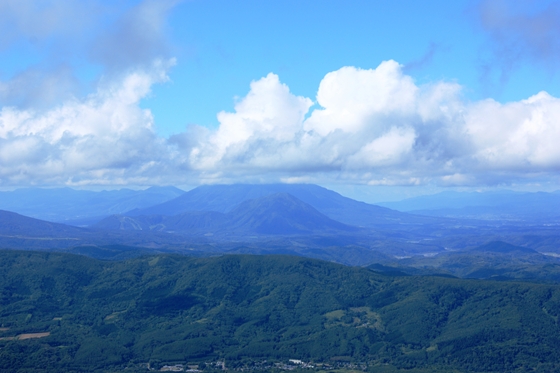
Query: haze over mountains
409	306
298	219
81	207
498	205
277	214
224	198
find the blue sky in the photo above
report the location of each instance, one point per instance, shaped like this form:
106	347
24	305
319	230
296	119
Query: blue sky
222	45
377	99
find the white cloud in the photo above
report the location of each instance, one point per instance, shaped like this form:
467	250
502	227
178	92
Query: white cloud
97	139
353	98
378	127
373	127
353	129
520	135
386	150
268	116
52	47
374	120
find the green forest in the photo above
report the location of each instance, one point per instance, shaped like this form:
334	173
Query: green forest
69	313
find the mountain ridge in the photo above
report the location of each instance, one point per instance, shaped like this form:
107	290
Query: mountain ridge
223	198
80	207
274	214
112	316
497	205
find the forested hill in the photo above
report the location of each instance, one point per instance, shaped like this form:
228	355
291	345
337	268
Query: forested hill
60	312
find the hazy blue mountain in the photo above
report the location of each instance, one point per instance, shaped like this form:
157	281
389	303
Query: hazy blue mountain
504	248
501	205
496	260
451	199
22	232
224	198
275	214
188	222
281	213
16	225
320	224
81	207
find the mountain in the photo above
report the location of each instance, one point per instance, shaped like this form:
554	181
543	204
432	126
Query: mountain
22	232
16	225
452	200
281	213
501	205
224	198
328	226
197	222
304	233
275	214
495	260
81	207
503	248
67	313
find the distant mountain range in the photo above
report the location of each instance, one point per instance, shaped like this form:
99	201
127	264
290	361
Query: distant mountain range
297	219
501	205
16	225
275	214
496	260
224	198
405	308
81	207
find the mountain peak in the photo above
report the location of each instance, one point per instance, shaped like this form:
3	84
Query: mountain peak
503	247
282	213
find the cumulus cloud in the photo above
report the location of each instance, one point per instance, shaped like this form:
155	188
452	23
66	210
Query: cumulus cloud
373	120
351	98
378	127
104	138
368	126
268	115
520	136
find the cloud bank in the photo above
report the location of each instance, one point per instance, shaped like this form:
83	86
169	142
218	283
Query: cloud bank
377	126
366	126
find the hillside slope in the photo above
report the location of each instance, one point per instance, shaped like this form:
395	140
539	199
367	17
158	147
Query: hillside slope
275	214
16	225
105	316
81	207
224	198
